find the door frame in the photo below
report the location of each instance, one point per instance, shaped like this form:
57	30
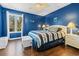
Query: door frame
8	32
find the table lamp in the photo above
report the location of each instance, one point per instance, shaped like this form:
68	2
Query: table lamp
71	26
43	26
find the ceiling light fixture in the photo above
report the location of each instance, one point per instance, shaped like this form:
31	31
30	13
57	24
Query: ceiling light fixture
39	6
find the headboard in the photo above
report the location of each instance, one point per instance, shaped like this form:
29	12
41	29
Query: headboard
55	27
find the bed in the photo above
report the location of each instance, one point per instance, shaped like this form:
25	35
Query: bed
45	39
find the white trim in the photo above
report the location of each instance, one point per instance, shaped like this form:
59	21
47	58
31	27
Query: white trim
15	32
7	14
15	38
22	25
8	32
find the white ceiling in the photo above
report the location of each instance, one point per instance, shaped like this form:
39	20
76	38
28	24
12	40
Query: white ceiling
30	7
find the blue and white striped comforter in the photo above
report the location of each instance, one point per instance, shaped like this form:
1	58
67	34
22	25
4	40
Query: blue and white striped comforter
42	37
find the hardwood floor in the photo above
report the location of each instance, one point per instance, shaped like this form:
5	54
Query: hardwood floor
15	48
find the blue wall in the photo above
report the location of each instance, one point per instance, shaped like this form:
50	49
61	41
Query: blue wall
62	16
0	23
31	22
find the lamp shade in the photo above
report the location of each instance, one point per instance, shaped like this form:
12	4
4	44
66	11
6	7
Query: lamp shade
43	26
71	25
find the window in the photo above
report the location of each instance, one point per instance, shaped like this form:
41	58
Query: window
15	23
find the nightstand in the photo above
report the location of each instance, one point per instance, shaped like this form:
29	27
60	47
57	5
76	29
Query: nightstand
26	41
72	40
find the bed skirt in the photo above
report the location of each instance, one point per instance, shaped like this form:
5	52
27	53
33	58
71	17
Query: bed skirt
48	45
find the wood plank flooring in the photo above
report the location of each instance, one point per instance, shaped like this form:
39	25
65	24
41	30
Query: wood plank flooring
15	48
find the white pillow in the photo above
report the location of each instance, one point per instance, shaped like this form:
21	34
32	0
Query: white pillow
54	29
